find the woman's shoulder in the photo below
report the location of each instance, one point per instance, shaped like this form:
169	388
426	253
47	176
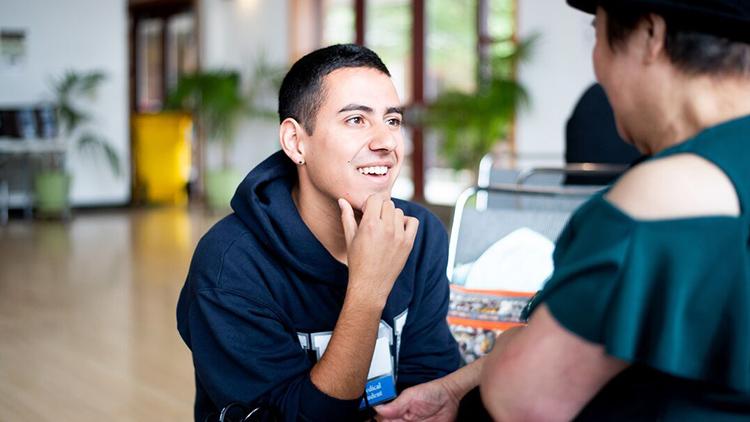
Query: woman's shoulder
677	186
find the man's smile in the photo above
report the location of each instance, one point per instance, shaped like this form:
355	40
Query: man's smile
376	171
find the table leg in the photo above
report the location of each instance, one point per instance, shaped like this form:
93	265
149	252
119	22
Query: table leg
28	181
4	202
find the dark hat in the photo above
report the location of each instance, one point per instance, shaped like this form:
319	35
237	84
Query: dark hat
724	18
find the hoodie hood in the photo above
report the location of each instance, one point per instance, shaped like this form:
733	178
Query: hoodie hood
263	202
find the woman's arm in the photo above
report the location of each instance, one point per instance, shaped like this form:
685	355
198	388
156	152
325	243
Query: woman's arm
538	372
544	372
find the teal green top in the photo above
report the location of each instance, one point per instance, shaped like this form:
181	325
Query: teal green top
671	297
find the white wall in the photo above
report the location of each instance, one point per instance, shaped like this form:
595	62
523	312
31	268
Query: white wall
79	35
555	76
233	34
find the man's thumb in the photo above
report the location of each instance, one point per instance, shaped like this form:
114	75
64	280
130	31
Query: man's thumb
347	220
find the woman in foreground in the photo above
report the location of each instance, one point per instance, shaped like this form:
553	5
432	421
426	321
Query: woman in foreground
647	315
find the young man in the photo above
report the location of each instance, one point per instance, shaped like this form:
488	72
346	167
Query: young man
319	287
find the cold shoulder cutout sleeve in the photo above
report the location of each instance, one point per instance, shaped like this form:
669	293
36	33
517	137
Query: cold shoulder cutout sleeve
671	294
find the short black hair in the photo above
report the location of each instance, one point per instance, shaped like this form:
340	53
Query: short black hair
693	52
301	92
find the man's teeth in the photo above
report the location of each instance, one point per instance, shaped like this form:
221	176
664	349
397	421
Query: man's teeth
379	170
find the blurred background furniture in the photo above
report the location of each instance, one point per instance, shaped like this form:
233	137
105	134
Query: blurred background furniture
18	161
581	174
500	255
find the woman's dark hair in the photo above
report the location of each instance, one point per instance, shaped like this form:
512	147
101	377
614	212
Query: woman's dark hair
691	51
301	92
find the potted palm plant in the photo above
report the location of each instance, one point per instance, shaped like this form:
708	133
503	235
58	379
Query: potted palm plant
472	123
72	91
216	101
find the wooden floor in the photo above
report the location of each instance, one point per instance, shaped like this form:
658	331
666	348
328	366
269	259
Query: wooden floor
87	317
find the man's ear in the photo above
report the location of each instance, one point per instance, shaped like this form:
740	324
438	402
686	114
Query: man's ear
656	37
292	139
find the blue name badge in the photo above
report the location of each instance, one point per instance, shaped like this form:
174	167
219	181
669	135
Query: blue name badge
379	390
381	384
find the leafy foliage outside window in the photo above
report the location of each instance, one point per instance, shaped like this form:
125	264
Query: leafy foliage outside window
472	123
451	46
388	33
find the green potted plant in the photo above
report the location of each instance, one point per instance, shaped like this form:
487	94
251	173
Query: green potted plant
71	92
472	123
217	104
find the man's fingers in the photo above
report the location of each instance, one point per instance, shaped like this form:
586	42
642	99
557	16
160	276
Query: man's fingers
347	220
387	212
399	221
412	224
373	206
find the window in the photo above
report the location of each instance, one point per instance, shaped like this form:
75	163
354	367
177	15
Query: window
451	47
455	33
149	61
182	48
388	33
338	22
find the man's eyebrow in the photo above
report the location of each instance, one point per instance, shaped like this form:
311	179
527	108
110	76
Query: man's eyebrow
399	110
366	109
356	107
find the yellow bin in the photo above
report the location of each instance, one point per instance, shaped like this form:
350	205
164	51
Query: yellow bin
161	148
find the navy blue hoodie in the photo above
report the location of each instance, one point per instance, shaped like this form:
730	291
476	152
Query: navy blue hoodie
261	290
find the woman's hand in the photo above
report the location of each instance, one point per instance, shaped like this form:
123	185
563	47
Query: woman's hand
432	401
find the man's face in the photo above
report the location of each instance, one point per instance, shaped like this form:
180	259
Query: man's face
357	146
